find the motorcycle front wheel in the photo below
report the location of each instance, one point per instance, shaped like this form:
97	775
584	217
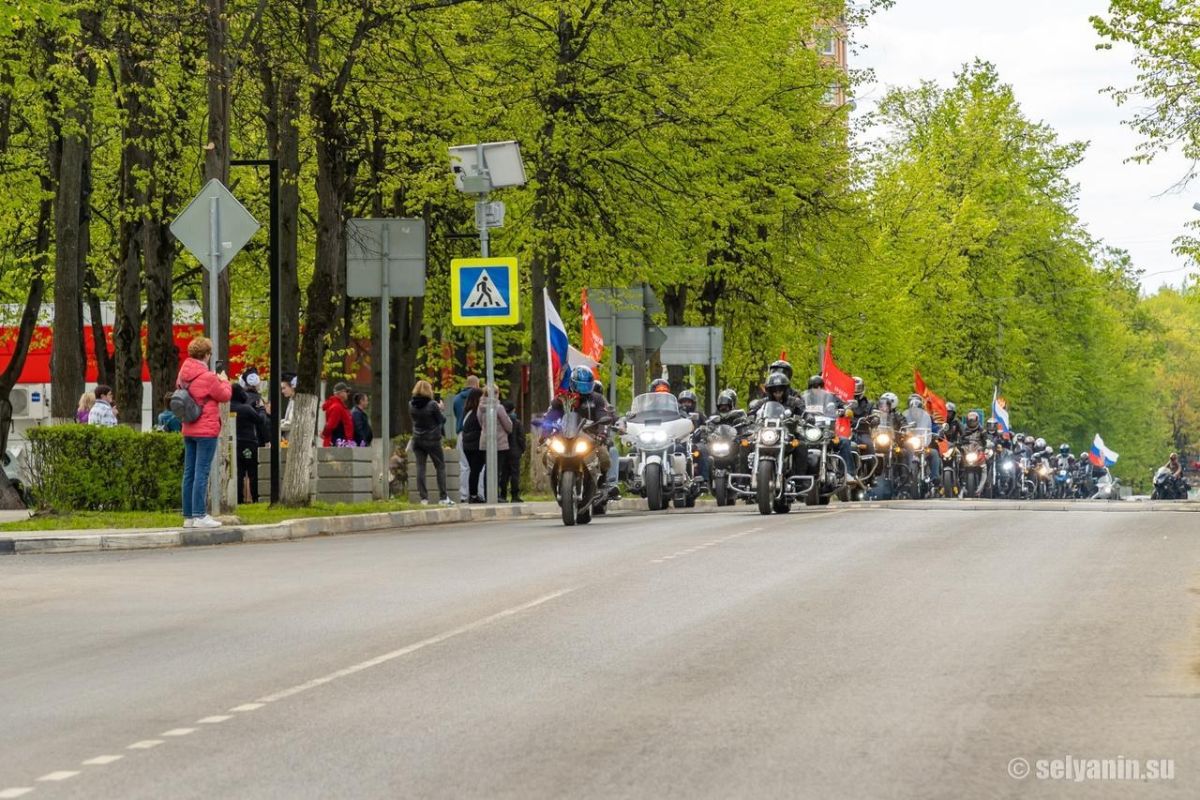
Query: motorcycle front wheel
948	483
654	487
566	497
721	490
766	486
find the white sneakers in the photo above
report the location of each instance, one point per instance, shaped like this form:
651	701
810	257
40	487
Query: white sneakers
445	501
202	522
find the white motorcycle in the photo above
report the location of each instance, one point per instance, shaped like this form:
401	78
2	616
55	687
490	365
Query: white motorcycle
659	436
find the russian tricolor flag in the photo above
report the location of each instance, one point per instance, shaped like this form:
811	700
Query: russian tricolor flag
562	358
1100	455
1000	411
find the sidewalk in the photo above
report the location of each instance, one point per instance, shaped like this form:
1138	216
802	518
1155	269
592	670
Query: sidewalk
16	542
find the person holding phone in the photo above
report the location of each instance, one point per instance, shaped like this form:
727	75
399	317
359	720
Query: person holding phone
209	389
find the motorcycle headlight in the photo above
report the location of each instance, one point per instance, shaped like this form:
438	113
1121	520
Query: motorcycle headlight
769	436
812	433
558	445
972	458
883	440
720	448
1007	466
582	447
653	437
1044	471
914	443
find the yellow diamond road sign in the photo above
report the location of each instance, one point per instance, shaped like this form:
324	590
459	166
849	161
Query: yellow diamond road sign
484	291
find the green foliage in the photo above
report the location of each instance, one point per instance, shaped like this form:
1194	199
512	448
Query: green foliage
90	468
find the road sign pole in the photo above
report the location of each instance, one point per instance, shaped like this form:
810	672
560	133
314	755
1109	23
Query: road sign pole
612	355
712	375
491	473
216	488
385	349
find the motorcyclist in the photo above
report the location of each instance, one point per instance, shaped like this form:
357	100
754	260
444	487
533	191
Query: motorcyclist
991	426
1175	466
660	386
688	403
820	401
861	405
590	405
973	432
887	409
952	429
863	408
917	417
779	389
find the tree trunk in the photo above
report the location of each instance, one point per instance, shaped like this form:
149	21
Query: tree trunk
67	365
161	352
301	454
675	304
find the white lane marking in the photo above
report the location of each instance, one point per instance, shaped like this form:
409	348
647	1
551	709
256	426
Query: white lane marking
248	707
16	791
213	719
145	744
178	732
412	648
100	761
60	775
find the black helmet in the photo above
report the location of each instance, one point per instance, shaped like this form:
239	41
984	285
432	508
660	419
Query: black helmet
727	398
816	382
992	424
859	386
688	396
598	387
781	366
658	385
777	381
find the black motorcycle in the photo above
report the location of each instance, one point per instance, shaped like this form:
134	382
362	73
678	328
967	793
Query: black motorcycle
1168	487
574	470
727	447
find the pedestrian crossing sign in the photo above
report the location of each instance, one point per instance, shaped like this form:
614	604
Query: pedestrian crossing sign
483	291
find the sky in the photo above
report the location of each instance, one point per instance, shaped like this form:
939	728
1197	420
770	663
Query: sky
1046	51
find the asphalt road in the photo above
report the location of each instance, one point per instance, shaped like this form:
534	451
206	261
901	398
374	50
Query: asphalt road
854	653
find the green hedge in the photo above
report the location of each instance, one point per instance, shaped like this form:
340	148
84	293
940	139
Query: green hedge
89	468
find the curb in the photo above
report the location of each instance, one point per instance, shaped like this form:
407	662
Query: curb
303	528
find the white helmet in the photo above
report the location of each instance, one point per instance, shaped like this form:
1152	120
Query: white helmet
889	398
1040	444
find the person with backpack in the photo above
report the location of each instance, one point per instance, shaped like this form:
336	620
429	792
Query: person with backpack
252	433
197	402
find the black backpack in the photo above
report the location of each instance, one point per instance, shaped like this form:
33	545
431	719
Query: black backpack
183	405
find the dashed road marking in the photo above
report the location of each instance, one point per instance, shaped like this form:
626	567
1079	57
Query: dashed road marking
60	775
145	744
248	707
178	732
412	648
16	791
100	761
213	719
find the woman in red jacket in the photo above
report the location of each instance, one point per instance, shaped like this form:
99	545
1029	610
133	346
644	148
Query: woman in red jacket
339	425
200	437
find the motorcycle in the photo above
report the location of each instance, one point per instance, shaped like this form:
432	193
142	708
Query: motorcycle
1108	487
661	439
1042	476
574	470
951	467
823	467
976	470
917	442
1064	481
1168	487
776	450
728	448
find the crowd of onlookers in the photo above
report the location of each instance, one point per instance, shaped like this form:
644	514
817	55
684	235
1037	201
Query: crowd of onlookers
346	424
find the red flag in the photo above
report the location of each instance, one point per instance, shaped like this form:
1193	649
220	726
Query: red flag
593	342
935	405
837	382
783	355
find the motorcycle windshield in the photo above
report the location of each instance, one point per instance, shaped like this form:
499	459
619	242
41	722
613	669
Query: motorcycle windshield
572	425
772	410
654	407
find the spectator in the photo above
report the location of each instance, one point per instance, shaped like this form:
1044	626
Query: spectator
167	421
86	401
252	383
339	427
428	421
287	387
103	413
253	431
460	401
200	436
516	448
470	440
503	430
363	435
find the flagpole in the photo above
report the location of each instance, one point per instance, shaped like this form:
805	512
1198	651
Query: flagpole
549	357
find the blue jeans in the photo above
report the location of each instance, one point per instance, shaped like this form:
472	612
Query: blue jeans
198	454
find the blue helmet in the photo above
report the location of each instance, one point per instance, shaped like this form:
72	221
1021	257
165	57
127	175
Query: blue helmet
582	380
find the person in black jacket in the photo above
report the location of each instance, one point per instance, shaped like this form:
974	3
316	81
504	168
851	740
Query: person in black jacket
252	433
510	473
472	438
363	435
428	421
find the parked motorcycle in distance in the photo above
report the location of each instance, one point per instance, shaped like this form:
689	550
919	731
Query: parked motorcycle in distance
1168	487
574	470
660	438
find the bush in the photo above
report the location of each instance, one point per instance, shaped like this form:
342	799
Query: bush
89	468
